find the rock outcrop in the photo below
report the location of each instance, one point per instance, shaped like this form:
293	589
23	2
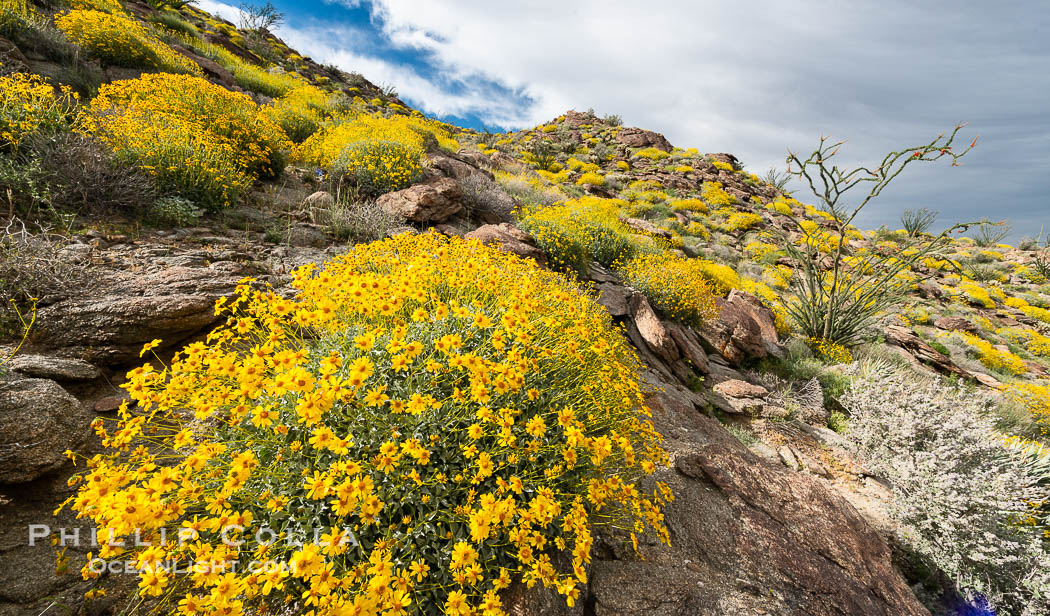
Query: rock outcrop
744	327
39	420
433	202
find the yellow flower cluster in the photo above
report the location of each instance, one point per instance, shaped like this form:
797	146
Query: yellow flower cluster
273	82
678	287
651	154
689	205
380	153
722	278
116	38
976	294
15	15
300	112
591	179
200	140
422	425
741	221
106	6
1036	312
575	164
28	104
1035	398
757	251
1033	341
830	351
554	177
714	194
783	206
579	231
996	359
722	165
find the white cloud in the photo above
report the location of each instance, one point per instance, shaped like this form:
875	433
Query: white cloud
752	78
221	9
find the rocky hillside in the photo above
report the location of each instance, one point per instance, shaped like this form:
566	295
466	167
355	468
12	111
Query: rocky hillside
155	156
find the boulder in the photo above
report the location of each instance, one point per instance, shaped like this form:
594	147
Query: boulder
433	202
455	166
55	368
171	304
747	537
646	227
736	396
38	421
922	352
734	388
652	331
689	346
641	138
509	238
744	328
321	199
12	60
615	298
956	324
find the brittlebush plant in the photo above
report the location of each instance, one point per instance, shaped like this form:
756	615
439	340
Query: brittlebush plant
379	154
28	104
201	141
578	231
117	39
679	287
460	411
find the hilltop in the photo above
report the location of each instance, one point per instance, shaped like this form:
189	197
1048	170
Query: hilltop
186	197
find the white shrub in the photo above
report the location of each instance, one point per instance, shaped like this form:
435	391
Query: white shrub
957	491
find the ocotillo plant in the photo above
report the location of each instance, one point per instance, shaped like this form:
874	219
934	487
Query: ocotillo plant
840	288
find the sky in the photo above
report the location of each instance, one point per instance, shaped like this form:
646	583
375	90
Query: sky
751	78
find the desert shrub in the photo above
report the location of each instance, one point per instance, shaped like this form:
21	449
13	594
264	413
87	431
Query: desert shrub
959	495
1033	341
327	145
272	82
483	196
377	153
830	351
839	292
117	39
976	294
651	154
989	234
376	167
528	190
361	221
1035	399
28	105
721	278
678	287
174	212
452	412
32	266
917	222
689	205
741	221
199	140
85	177
580	231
